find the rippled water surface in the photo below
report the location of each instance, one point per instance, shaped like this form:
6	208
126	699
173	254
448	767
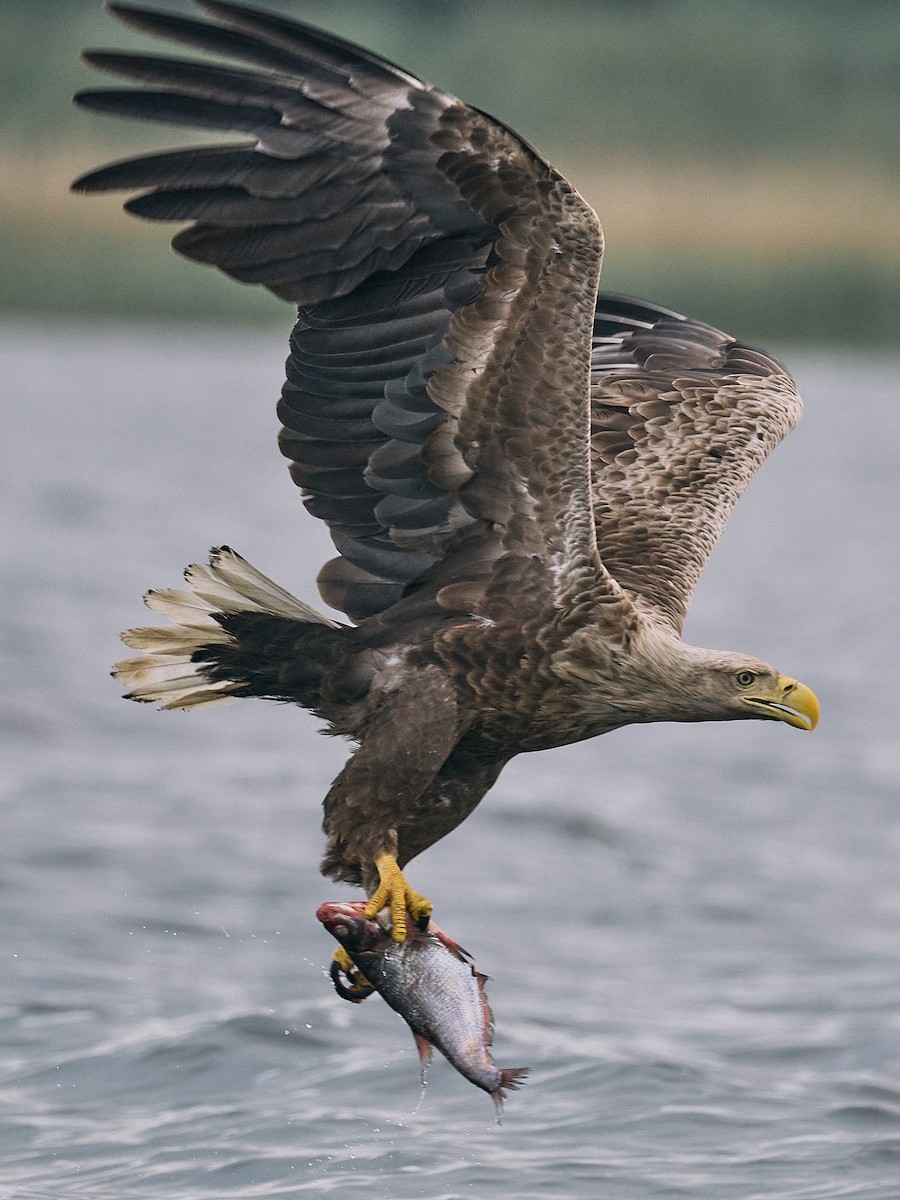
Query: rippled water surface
693	933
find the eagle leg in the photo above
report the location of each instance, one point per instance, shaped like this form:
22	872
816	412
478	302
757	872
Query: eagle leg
357	988
395	892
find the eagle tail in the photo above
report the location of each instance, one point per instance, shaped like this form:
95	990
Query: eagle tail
231	624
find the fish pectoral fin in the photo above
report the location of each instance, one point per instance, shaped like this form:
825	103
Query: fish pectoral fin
425	1050
356	988
394	892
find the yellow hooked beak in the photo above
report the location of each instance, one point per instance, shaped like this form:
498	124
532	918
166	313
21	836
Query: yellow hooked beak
789	701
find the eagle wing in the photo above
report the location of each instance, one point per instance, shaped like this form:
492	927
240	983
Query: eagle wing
682	416
436	408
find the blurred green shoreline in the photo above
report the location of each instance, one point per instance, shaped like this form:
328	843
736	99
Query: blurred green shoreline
816	301
744	157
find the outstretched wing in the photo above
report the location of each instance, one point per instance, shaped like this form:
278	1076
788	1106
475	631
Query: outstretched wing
682	416
436	405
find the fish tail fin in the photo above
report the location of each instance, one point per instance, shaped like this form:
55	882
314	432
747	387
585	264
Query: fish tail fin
511	1078
229	624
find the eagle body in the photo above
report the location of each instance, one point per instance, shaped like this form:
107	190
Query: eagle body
523	477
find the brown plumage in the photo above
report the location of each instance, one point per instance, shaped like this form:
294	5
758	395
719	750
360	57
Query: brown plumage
523	480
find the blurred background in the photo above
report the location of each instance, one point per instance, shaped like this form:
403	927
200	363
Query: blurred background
743	156
692	931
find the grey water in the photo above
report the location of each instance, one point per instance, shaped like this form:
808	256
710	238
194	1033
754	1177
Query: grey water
693	932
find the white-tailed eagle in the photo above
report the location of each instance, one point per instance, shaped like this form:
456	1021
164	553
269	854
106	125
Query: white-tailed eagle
523	480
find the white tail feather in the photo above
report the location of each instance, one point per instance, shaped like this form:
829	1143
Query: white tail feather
229	584
160	640
230	576
206	697
182	608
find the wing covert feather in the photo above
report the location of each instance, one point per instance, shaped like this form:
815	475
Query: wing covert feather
682	416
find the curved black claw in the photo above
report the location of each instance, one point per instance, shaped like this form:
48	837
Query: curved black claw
359	988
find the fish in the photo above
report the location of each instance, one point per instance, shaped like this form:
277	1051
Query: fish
432	983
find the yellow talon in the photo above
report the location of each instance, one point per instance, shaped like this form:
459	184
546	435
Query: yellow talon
393	890
357	987
344	961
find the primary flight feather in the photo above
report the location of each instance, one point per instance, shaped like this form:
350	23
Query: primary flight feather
523	479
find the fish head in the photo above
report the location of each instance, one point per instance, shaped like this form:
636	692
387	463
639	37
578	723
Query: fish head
347	922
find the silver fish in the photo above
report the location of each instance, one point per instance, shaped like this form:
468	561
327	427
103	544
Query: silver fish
431	982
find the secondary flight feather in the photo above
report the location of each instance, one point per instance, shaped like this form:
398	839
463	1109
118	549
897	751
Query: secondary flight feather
523	479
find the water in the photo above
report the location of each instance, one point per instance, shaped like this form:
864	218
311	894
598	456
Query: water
693	932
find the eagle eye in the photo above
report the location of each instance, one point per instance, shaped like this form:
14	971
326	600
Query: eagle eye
745	678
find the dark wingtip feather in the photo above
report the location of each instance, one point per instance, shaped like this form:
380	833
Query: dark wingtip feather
149	20
272	26
203	35
152	20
